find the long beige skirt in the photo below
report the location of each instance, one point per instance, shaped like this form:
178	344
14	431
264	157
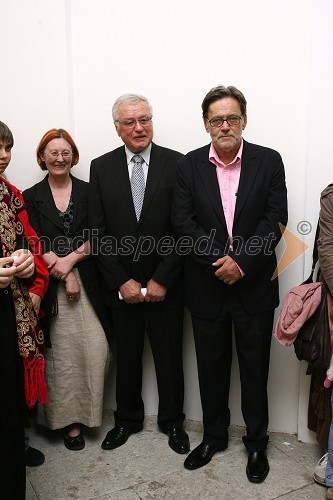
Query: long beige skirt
76	364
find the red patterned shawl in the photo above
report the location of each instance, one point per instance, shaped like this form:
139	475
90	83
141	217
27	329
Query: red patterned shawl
30	334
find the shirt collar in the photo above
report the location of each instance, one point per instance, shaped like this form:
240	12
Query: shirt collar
145	154
214	157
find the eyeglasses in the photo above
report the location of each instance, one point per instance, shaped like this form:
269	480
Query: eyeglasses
231	120
54	154
131	123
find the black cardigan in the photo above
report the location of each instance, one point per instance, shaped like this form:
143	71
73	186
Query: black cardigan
44	218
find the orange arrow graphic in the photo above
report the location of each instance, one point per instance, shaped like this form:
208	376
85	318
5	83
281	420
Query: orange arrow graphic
294	248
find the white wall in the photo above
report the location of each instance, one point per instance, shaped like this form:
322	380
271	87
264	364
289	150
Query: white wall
319	171
64	63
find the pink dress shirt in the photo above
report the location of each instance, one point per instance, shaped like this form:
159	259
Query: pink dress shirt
228	179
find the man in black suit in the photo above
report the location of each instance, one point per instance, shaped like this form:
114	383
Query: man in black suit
231	198
130	202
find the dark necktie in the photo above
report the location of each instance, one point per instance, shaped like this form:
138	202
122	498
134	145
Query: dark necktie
137	184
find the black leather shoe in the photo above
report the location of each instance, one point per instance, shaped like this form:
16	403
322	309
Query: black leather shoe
33	457
257	466
178	440
201	455
75	443
117	437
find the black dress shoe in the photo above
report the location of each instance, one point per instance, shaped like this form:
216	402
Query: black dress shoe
33	457
257	466
117	437
178	440
201	455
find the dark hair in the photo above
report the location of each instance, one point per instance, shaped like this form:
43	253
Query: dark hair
6	135
55	133
220	92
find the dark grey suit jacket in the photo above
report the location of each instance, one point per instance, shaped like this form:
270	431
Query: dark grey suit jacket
126	248
260	207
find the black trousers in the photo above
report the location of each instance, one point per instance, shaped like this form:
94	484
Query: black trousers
12	463
213	343
165	333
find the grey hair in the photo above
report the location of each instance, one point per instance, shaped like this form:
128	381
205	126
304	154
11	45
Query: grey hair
129	99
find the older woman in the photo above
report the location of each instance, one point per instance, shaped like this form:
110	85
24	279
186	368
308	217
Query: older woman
78	355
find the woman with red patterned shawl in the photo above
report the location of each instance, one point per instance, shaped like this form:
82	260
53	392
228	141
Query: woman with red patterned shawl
22	342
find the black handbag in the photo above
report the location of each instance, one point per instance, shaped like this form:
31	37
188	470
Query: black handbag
313	341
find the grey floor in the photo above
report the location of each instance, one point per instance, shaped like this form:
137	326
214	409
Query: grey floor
146	468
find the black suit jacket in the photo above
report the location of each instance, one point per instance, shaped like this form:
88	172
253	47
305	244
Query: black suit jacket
260	207
126	248
44	218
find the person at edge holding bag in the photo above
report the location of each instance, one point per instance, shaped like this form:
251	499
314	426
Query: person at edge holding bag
22	341
77	353
325	252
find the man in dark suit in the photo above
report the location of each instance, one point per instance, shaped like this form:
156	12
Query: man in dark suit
230	199
130	201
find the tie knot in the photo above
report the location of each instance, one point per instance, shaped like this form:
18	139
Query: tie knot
137	159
